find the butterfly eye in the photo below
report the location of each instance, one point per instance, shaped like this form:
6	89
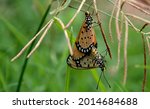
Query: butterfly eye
87	13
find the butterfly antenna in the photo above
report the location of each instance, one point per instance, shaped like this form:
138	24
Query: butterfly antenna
106	80
98	81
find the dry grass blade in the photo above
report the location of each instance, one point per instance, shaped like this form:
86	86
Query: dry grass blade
121	24
118	4
110	23
144	26
125	53
69	23
145	74
41	38
116	21
27	45
66	35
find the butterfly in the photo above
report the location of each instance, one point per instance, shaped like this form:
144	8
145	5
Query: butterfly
85	54
86	38
91	60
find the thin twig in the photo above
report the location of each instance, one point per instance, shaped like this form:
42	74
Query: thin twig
118	32
122	18
29	43
144	79
66	35
116	21
118	58
110	23
101	28
41	38
144	26
121	24
69	23
125	53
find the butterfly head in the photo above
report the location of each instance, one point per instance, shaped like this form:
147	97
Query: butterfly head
87	13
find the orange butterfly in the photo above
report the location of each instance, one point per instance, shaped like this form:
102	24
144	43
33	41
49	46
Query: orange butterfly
86	38
85	54
88	61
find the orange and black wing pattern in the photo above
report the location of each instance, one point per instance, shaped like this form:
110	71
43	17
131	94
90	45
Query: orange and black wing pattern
86	37
85	54
89	61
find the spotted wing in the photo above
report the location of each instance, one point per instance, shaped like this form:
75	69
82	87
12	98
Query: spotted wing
86	38
92	60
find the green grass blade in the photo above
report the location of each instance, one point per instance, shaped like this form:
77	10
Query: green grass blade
26	59
2	83
67	79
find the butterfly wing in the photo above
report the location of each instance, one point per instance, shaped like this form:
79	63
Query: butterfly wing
92	60
86	38
85	54
72	61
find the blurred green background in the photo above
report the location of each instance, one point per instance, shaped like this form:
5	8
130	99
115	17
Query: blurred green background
46	69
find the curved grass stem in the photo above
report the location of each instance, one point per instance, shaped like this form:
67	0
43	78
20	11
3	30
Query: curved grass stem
30	48
125	53
67	82
145	74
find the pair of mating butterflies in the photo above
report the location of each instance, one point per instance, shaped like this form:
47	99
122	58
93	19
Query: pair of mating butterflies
85	54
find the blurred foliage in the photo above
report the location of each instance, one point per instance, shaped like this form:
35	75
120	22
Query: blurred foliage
46	70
